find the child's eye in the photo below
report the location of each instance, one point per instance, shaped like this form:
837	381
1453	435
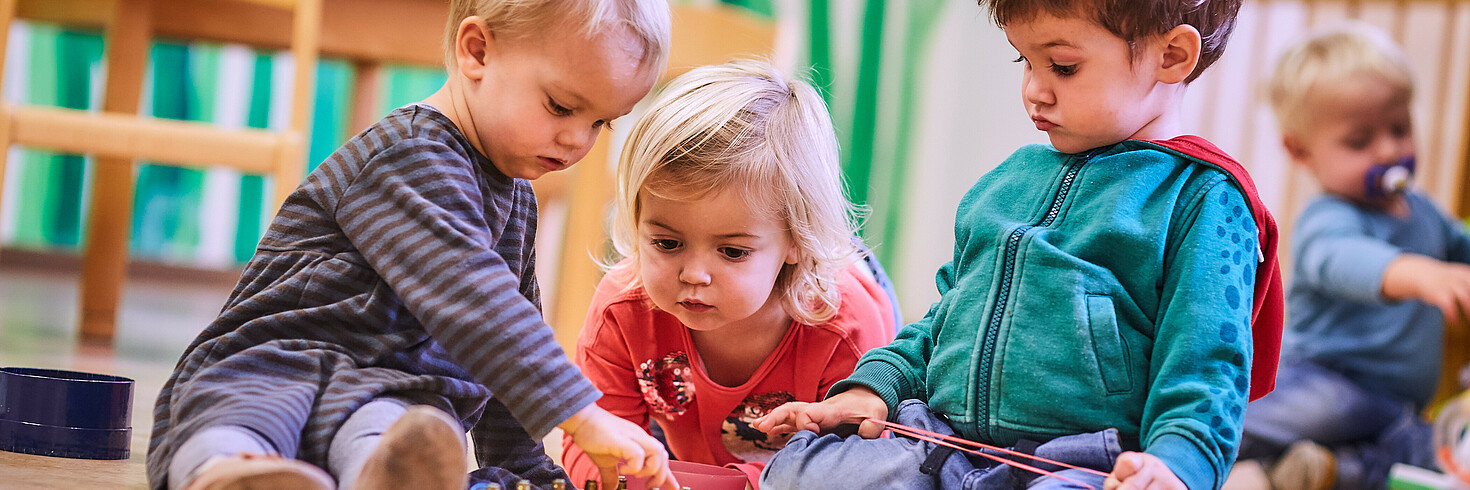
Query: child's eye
558	109
1064	70
734	253
1019	59
664	244
602	124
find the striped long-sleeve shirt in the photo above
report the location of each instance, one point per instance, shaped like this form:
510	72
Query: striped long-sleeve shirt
403	266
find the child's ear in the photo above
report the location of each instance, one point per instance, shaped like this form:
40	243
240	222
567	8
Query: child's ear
1180	54
1295	148
793	255
472	44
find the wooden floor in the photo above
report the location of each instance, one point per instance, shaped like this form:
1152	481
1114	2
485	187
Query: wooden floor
161	313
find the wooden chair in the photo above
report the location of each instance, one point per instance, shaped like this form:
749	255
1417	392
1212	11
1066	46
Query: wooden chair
118	137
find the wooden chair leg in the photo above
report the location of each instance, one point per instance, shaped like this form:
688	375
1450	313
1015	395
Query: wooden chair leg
306	36
4	145
306	40
104	263
367	91
7	15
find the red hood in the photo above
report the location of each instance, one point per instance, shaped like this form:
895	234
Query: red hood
1269	305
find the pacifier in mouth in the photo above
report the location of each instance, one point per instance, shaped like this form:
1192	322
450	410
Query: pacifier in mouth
1390	179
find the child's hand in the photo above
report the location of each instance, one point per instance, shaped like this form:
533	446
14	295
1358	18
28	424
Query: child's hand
1445	285
1140	471
615	444
853	406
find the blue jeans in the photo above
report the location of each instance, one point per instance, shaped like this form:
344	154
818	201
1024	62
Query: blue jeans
831	461
1367	432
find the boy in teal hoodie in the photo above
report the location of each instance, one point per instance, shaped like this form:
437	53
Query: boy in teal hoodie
1113	300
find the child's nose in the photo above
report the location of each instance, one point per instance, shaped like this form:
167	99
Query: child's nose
1389	149
1035	91
575	138
694	273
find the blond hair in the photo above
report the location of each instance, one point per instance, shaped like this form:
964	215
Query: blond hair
744	125
1345	53
647	20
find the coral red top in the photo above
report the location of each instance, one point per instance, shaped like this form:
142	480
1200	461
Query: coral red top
645	363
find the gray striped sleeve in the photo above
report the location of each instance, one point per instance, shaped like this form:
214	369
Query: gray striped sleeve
417	215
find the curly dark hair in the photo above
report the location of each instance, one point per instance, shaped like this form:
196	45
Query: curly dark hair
1136	19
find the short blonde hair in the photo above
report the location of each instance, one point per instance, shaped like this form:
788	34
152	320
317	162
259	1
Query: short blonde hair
1345	53
647	20
743	123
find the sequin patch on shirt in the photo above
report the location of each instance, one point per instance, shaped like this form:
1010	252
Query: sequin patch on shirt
744	441
667	384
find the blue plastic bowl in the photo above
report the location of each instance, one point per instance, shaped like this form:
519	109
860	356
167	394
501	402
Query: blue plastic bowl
69	414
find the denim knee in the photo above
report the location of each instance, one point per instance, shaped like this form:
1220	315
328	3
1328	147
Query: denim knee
830	461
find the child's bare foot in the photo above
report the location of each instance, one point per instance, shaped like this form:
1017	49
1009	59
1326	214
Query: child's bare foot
1305	466
259	472
424	449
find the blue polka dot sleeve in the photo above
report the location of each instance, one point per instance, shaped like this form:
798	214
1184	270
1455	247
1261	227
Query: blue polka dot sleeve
1201	358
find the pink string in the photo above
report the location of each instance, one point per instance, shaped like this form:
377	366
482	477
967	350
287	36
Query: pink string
948	441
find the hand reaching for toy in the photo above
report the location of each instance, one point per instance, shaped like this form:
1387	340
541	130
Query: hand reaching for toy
1445	285
854	406
617	445
1142	471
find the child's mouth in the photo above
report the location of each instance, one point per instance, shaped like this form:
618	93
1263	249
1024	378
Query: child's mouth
695	306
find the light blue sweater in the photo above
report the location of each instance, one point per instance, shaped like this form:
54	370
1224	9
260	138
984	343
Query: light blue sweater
1336	314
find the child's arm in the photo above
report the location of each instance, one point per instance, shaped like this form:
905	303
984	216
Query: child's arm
1200	365
854	406
416	214
1445	285
883	377
898	371
619	446
602	353
1335	255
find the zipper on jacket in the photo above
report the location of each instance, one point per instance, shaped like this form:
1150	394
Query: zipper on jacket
1003	293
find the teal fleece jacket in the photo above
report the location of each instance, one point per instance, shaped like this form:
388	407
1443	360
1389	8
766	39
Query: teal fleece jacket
1108	289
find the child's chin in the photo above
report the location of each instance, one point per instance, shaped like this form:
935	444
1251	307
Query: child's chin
1063	143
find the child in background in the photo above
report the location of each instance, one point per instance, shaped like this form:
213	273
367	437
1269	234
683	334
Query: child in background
1378	269
741	287
1100	295
393	301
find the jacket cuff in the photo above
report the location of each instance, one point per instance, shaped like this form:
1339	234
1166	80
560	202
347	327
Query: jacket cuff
883	378
1186	461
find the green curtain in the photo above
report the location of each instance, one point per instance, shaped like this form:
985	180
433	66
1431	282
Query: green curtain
64	67
868	73
49	192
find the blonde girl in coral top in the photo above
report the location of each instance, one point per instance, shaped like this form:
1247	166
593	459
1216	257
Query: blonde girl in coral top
741	286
